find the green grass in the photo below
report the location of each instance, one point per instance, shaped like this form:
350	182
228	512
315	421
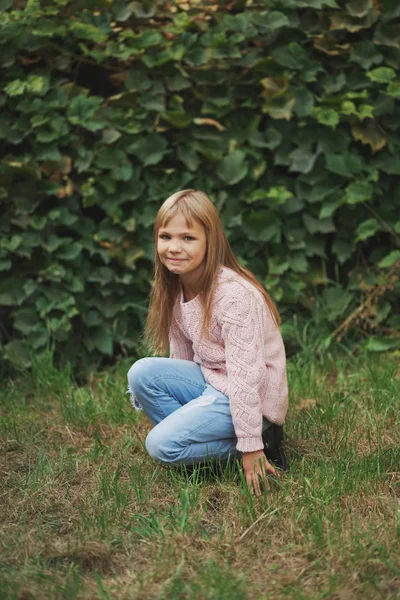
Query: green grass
85	513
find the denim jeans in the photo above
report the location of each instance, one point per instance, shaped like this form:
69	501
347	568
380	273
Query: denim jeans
192	420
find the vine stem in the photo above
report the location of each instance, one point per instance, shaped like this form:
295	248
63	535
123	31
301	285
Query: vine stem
377	291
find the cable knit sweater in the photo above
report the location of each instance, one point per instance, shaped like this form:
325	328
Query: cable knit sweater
244	357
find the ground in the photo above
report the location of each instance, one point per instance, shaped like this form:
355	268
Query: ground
85	513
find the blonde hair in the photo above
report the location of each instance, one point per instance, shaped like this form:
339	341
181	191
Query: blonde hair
194	205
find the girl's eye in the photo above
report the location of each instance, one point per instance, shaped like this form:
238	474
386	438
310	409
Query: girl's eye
164	236
189	237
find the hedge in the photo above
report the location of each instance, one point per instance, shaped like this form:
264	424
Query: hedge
286	112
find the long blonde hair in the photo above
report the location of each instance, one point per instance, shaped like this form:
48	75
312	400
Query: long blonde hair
193	205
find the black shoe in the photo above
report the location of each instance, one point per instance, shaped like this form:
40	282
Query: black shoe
273	447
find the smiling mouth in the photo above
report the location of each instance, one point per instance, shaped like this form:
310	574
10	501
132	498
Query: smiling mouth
176	259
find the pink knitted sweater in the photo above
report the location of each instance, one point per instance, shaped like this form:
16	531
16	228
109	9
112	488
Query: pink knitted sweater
244	357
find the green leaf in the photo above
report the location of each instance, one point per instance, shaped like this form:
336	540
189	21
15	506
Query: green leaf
26	320
276	266
304	102
99	338
233	167
318	225
343	249
35	84
298	262
336	301
382	74
382	343
143	9
86	31
189	157
17	352
261	226
389	259
393	89
82	110
328	208
279	194
365	54
326	116
110	136
149	149
358	191
346	164
292	56
303	160
367	229
270	20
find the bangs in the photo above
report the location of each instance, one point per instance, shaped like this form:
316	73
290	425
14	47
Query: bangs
178	207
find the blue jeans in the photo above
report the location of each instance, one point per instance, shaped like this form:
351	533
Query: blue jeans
192	420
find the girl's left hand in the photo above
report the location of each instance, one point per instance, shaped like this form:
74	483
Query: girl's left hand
256	467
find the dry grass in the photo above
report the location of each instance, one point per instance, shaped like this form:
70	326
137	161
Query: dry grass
85	513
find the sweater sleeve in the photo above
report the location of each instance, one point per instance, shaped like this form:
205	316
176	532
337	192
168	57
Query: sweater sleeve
179	345
244	320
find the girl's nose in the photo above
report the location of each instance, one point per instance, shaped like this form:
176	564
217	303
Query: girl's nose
174	247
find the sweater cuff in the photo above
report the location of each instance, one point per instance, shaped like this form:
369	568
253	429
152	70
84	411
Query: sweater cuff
250	444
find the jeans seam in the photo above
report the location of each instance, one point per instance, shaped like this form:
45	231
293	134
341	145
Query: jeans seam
178	378
199	429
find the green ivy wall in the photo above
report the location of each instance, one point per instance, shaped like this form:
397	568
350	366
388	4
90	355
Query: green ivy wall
285	112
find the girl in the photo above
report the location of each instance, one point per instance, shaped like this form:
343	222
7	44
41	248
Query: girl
223	391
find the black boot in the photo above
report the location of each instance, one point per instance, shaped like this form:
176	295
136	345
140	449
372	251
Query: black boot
273	447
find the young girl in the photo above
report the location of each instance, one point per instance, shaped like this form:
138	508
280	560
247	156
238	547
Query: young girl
223	391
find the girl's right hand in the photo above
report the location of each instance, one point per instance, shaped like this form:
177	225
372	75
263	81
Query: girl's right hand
256	470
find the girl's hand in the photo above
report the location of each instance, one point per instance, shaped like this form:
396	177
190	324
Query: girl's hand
256	466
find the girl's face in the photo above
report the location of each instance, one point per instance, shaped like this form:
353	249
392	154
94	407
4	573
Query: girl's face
182	249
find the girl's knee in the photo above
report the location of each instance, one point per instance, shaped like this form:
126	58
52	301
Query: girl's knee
139	373
153	446
158	449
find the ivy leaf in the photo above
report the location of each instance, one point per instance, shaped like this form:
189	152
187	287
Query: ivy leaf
150	149
233	167
343	249
276	266
270	20
393	89
280	108
365	54
382	75
303	160
346	164
143	9
304	102
86	31
35	84
326	116
82	110
336	301
110	135
279	194
367	229
358	191
370	134
389	259
292	56
261	226
189	157
99	338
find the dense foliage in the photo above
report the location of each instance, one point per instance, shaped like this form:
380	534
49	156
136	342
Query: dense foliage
285	111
